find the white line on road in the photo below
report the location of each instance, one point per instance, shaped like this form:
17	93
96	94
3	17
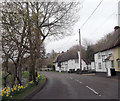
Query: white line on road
76	80
71	78
92	90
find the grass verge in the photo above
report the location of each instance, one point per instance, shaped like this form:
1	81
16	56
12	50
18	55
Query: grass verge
25	76
29	90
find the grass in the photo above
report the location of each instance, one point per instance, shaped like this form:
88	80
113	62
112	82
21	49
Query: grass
25	75
29	89
0	81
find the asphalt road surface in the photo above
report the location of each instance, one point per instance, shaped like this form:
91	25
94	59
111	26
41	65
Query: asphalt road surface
76	86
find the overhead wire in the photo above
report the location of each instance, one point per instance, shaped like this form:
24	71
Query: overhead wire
91	14
105	21
87	19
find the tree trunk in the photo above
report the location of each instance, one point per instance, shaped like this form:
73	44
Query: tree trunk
15	76
30	74
20	73
5	82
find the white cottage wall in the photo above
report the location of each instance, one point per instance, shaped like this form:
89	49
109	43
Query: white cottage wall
72	65
99	57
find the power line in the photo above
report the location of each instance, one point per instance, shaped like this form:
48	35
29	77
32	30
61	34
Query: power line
92	13
102	24
106	20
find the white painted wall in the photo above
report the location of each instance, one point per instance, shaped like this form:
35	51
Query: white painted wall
64	66
100	60
56	67
70	64
92	66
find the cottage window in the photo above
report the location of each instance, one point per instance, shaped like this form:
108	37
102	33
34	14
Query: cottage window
112	63
99	65
76	61
103	58
118	64
99	56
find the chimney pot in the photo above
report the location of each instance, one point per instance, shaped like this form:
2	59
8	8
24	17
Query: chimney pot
116	27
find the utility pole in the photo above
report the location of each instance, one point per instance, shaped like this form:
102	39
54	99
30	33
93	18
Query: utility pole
80	60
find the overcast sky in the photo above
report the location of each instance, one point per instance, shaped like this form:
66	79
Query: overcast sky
101	23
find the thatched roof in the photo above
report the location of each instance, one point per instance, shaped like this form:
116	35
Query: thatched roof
65	56
112	42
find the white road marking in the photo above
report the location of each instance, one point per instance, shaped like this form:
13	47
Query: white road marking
76	80
92	90
71	78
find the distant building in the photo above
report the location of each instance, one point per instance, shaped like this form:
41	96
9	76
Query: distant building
68	62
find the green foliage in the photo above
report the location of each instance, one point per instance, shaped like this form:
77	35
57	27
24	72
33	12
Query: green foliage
49	66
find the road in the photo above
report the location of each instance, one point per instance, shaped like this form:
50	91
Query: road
76	86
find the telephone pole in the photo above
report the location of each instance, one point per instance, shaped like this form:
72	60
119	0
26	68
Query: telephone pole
80	60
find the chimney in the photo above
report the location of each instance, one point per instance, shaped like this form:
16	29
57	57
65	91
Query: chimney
116	28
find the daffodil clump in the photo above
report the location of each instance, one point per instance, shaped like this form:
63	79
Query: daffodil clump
8	93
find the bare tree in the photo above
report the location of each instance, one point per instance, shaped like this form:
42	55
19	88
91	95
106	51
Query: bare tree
28	24
46	19
13	37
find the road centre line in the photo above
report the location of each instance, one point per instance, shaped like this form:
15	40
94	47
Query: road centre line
78	81
71	78
88	87
93	90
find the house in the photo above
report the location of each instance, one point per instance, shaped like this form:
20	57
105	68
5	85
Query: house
92	66
68	61
108	58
